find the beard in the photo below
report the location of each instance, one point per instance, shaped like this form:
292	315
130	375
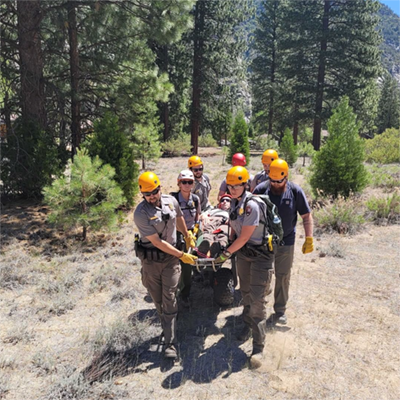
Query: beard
279	190
155	202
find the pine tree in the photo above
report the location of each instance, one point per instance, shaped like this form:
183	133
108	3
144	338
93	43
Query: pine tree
338	168
86	198
240	139
287	148
389	105
112	145
146	144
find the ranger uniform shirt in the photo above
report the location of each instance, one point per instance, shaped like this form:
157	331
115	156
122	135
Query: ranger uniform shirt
202	189
292	201
250	216
189	209
161	220
259	178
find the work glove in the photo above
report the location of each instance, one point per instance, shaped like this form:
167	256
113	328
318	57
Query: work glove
196	228
222	257
190	240
188	259
308	245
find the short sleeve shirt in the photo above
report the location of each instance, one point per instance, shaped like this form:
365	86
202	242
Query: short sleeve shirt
202	189
161	220
289	204
259	178
189	209
249	216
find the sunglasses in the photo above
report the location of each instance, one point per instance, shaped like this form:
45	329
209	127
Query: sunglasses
235	186
197	169
280	180
155	191
186	182
225	201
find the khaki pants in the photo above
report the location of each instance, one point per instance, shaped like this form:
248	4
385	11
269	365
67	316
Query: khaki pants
255	275
283	266
161	280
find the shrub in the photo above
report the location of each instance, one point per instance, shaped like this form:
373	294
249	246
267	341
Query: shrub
179	146
240	139
342	215
384	148
384	176
385	209
338	168
263	143
29	160
287	148
207	141
113	147
86	198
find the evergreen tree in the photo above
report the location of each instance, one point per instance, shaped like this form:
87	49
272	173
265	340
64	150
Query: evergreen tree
146	144
240	139
87	198
389	104
338	45
338	168
112	146
287	148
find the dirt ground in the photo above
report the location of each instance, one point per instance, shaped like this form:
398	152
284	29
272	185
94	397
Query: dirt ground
60	297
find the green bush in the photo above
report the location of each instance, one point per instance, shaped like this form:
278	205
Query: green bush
207	141
342	215
384	148
384	176
338	168
263	143
29	161
240	139
87	197
287	148
112	145
385	209
179	146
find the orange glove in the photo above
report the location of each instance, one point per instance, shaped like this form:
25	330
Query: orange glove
308	245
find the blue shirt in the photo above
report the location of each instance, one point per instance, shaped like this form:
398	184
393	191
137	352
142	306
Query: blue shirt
292	201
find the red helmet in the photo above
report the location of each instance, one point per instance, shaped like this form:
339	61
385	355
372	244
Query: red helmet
226	195
238	159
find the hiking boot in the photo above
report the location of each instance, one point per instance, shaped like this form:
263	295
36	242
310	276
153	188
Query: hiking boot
170	352
215	249
256	357
244	334
277	318
203	249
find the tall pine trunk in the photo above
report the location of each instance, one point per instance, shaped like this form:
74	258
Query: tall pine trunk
273	68
31	59
197	75
74	71
321	77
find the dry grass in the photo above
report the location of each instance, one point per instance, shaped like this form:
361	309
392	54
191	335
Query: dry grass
75	323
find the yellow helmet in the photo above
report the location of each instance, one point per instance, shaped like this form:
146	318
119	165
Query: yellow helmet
278	169
269	156
237	175
194	161
148	181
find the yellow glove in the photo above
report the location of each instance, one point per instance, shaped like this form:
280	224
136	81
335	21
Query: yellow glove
188	259
195	229
190	240
308	245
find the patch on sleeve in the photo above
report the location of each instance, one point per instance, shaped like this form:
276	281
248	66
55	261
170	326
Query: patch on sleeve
248	210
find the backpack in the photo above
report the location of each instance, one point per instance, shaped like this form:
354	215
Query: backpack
272	221
195	198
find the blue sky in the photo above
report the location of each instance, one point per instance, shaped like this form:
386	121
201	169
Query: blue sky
392	4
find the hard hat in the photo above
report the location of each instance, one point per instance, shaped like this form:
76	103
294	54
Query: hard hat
269	156
237	175
225	195
278	169
186	174
148	181
194	161
238	159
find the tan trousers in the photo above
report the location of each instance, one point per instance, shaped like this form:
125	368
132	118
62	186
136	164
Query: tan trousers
255	274
161	280
283	266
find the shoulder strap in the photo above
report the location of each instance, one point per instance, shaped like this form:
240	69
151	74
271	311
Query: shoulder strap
294	191
176	195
